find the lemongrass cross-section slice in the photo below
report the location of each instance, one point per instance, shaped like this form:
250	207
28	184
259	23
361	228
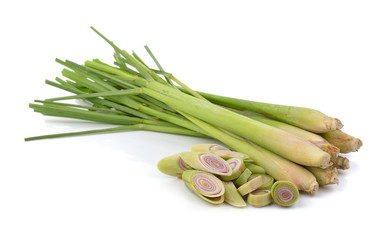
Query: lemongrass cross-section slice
205	185
207	162
284	193
259	198
227	154
267	181
232	196
173	165
250	186
237	165
243	178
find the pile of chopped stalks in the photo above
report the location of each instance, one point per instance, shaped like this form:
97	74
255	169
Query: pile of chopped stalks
295	144
217	174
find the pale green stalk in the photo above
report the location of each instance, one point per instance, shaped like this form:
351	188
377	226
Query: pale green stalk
325	176
345	142
306	118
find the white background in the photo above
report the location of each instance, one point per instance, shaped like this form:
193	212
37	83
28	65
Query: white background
333	56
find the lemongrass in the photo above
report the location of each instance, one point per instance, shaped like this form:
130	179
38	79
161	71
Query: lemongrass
134	127
173	165
284	193
250	185
227	154
243	178
255	168
232	196
267	180
301	133
340	162
207	162
205	185
276	140
276	166
325	176
259	198
237	165
345	142
305	118
206	147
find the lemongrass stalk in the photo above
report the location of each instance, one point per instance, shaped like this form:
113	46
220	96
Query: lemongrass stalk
340	162
276	140
243	178
227	154
250	185
144	127
205	185
325	176
345	142
306	118
293	148
61	111
206	147
259	198
284	193
276	166
232	196
301	133
255	168
267	180
173	165
207	162
237	165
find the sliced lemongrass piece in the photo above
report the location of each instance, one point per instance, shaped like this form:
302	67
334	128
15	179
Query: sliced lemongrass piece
207	162
212	200
259	198
173	165
237	165
250	185
268	181
232	196
255	168
325	176
243	178
284	193
207	147
205	185
345	142
340	162
226	154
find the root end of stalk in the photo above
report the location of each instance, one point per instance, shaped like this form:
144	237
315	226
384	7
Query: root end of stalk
314	186
332	124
